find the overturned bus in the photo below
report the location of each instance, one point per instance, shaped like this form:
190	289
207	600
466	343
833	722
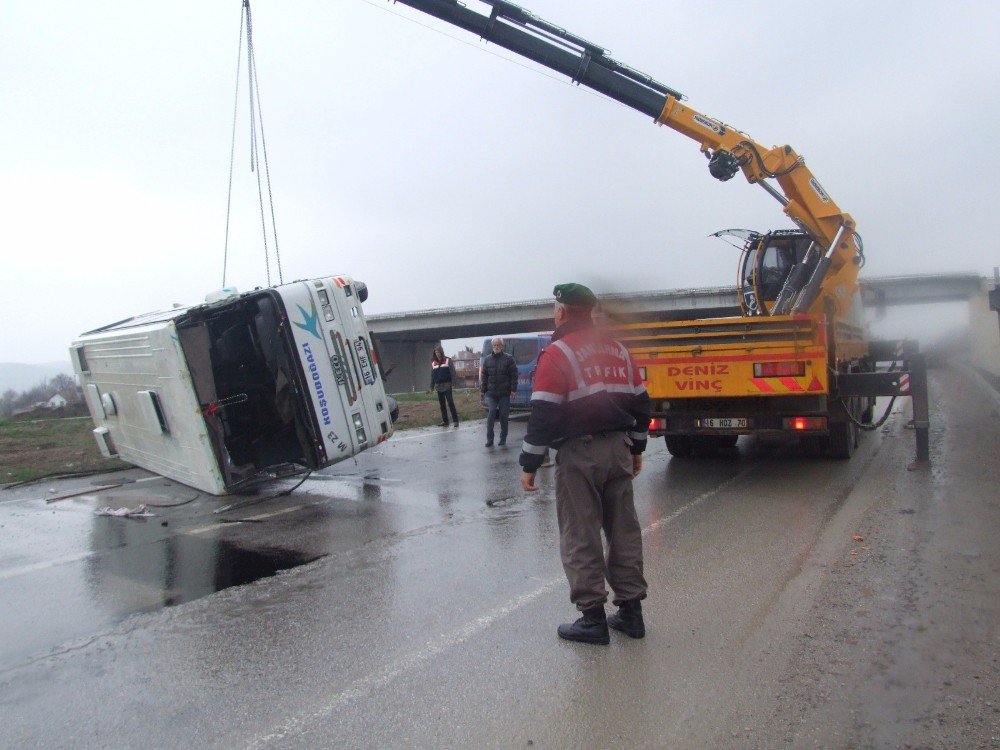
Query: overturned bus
241	389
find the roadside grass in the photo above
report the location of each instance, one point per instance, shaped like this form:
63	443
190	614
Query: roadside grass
422	410
37	448
32	449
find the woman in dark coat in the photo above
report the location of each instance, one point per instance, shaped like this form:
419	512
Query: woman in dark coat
441	378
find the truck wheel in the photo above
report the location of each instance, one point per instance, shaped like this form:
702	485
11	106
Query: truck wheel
843	440
814	446
681	446
869	413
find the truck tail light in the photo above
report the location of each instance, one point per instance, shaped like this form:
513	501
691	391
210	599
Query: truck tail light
657	424
779	369
799	424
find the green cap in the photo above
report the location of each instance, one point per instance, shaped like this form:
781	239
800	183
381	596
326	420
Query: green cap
576	295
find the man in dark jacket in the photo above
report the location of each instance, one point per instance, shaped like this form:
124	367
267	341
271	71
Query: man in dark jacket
498	386
589	401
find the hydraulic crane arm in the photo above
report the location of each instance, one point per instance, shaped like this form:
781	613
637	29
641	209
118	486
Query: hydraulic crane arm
803	198
520	31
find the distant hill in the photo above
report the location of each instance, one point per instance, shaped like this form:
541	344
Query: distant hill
21	377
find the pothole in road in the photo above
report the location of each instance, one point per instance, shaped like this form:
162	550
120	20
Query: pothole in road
221	565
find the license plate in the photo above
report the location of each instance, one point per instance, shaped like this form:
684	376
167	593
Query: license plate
723	423
366	368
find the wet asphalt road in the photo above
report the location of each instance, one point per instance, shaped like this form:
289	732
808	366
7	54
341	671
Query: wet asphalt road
420	591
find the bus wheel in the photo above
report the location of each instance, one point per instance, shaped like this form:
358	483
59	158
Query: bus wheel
681	446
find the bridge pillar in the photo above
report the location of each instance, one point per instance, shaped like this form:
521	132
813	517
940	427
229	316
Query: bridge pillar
984	334
407	362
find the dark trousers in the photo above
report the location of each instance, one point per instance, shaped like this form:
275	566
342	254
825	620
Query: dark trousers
594	493
446	396
498	407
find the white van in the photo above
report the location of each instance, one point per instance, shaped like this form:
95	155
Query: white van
238	390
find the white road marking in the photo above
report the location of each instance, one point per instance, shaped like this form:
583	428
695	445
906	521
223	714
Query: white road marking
428	433
258	517
273	513
35	567
205	529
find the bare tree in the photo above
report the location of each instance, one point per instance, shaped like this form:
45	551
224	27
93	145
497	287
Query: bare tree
7	402
63	382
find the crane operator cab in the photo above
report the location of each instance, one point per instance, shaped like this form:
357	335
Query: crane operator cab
767	282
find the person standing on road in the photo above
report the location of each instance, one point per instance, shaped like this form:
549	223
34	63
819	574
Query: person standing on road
498	386
442	373
590	402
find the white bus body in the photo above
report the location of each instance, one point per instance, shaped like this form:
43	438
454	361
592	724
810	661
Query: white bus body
247	388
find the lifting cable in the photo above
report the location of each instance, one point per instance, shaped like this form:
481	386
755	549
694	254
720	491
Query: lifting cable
256	127
249	481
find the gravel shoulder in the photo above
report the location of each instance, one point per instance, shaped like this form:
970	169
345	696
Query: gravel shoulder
899	644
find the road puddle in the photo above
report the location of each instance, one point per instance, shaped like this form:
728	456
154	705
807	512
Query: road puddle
225	565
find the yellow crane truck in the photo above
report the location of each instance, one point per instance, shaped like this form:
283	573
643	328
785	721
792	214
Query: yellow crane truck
796	360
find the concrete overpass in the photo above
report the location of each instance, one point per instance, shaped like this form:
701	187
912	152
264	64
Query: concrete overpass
405	339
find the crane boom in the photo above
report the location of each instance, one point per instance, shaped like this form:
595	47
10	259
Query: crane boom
802	197
518	30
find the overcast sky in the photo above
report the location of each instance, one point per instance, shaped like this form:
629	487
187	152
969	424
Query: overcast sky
439	171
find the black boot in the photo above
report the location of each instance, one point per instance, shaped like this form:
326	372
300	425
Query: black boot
591	628
629	619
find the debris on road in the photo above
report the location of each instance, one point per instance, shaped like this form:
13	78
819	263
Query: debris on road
140	511
90	491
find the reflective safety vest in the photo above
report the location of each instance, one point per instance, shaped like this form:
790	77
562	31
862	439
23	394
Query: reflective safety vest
585	383
440	372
